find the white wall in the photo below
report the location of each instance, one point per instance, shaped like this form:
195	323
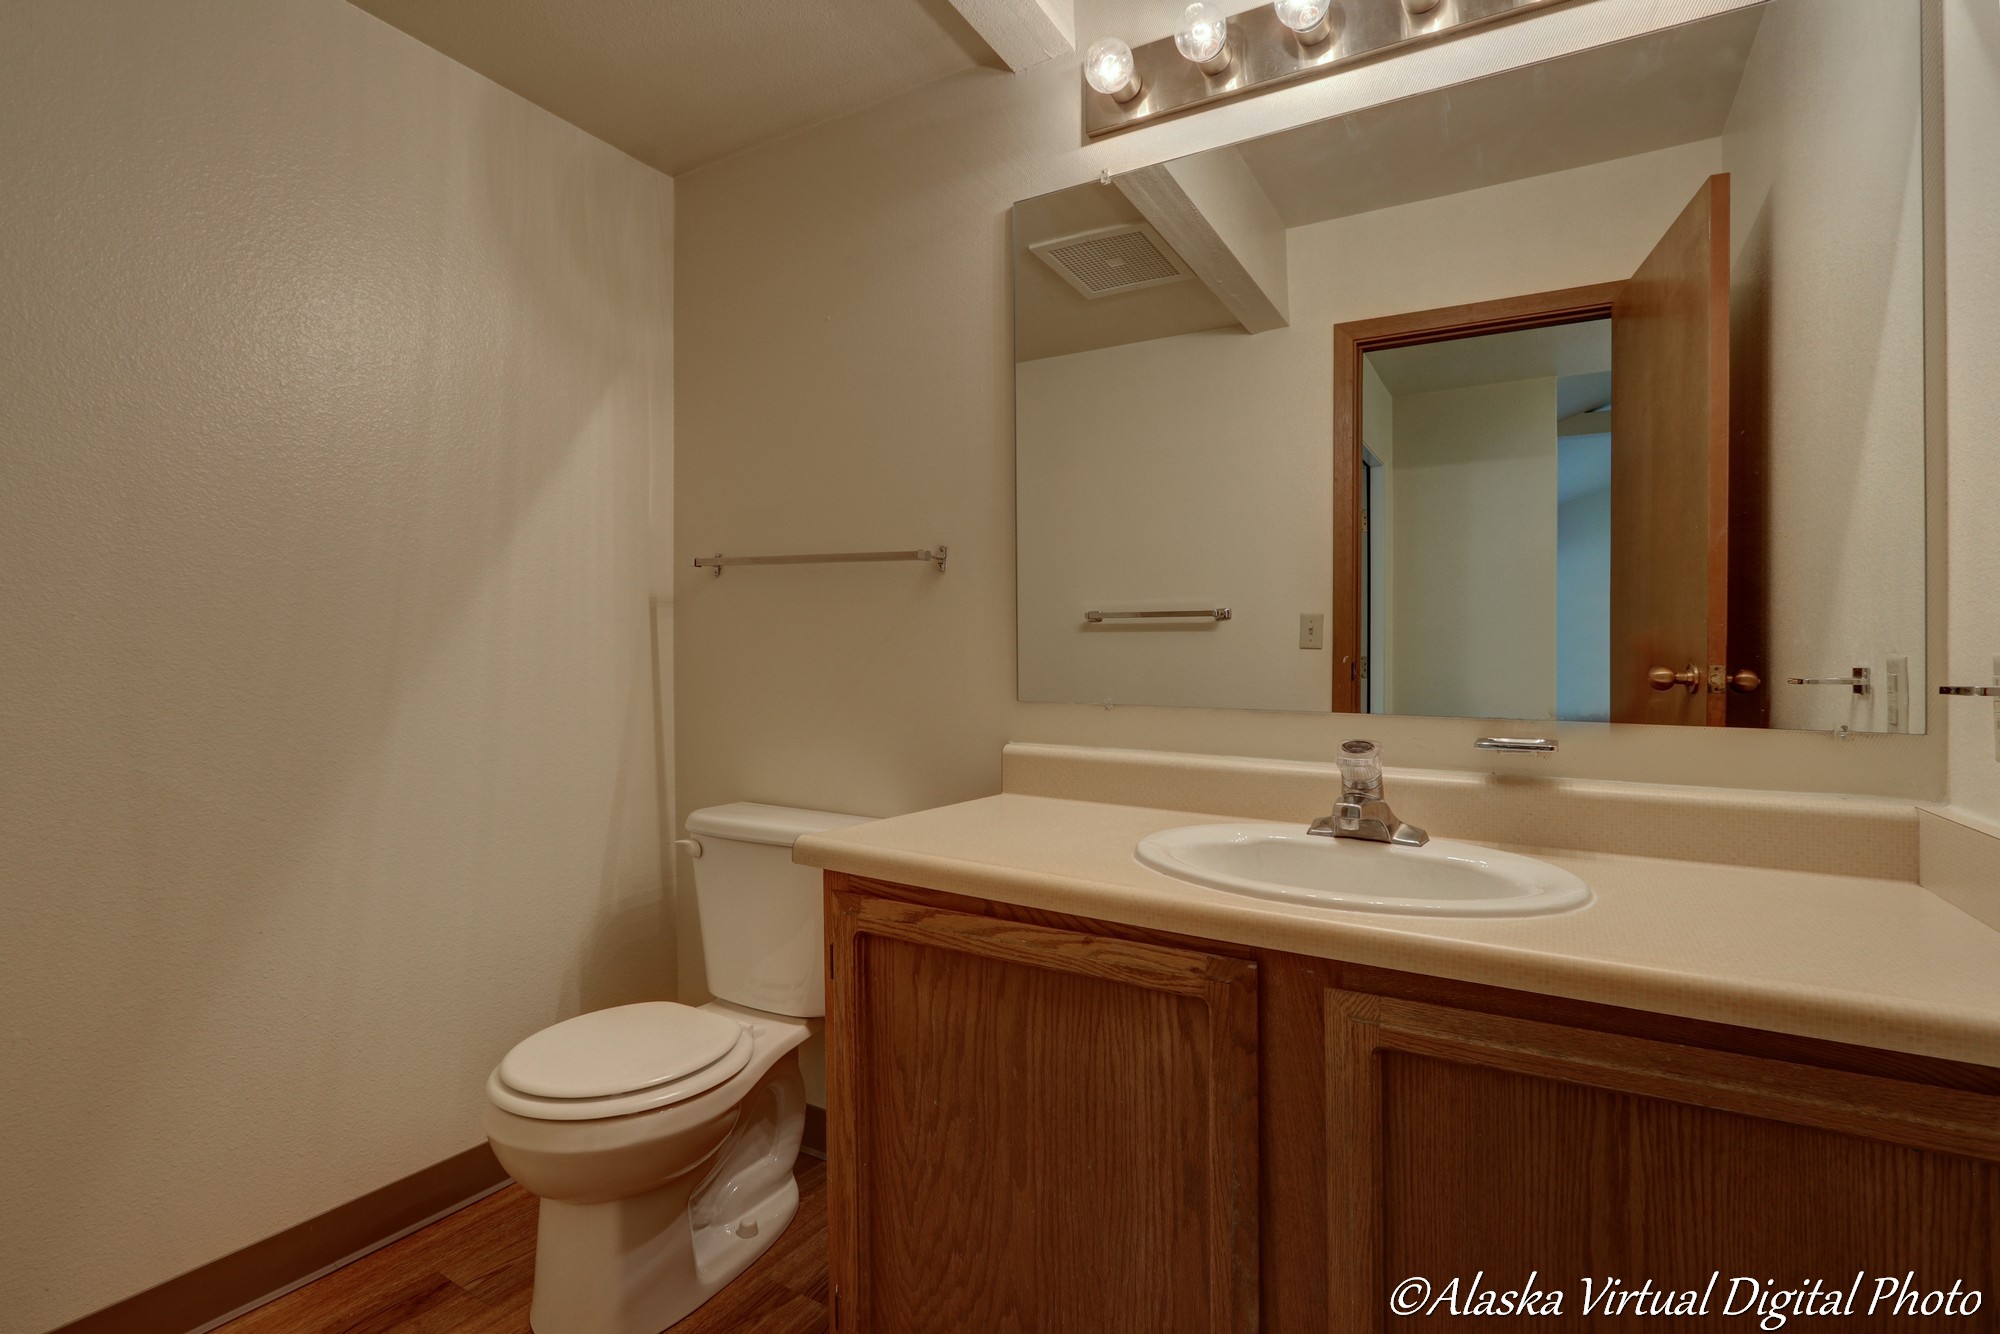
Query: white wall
1824	151
338	384
1196	470
1475	551
1972	309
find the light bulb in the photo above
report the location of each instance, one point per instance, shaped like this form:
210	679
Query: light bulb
1203	37
1107	67
1307	18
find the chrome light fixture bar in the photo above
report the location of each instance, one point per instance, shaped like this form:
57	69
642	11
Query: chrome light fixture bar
1261	51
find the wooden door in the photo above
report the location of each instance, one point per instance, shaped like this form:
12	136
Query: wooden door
1034	1129
1670	472
1461	1142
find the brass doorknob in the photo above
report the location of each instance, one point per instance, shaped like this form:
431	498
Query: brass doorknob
1666	678
1745	682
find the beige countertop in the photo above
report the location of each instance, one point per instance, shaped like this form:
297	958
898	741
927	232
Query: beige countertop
1881	963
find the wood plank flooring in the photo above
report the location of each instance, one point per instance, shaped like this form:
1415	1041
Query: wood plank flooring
472	1273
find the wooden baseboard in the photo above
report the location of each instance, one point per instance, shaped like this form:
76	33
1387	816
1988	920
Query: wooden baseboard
204	1297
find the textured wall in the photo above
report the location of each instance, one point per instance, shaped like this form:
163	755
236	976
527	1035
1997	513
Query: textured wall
336	383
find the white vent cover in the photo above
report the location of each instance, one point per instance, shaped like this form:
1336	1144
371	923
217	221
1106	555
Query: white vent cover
1110	260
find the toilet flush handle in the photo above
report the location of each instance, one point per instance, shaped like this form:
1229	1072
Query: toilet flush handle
693	845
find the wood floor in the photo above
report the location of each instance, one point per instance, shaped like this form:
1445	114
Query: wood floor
471	1273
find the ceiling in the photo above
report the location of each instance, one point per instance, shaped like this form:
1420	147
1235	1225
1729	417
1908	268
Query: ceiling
681	83
1670	87
1523	354
1576	356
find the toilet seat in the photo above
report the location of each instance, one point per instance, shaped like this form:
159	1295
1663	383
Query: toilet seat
631	1058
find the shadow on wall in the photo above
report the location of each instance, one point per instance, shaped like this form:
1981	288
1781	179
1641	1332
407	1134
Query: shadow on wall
327	694
1750	494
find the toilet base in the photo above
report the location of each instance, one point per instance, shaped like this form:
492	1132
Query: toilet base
639	1265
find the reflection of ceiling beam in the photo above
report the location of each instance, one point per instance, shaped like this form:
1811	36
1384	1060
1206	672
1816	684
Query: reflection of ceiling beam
1585	423
1211	210
1023	33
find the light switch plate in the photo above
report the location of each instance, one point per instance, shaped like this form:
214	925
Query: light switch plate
1312	629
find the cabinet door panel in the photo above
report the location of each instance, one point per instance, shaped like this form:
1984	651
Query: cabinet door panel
1036	1129
1462	1143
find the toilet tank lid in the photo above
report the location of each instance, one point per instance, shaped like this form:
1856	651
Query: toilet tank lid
752	822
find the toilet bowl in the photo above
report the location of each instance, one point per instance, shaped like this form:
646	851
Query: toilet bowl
659	1137
646	1213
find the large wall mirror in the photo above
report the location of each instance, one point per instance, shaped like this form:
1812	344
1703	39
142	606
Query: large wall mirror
1590	391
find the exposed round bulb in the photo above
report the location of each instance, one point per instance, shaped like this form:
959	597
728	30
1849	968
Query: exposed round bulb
1203	37
1107	67
1307	18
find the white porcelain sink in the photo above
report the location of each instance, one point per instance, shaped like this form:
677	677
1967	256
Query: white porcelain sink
1441	879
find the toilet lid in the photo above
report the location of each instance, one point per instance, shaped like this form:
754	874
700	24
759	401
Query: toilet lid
621	1050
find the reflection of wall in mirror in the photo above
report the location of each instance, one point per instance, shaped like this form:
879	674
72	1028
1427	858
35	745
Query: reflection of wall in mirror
1144	485
1378	437
1583	578
1108	512
1823	150
1475	551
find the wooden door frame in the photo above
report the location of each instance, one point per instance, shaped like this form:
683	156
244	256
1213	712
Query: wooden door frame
1356	339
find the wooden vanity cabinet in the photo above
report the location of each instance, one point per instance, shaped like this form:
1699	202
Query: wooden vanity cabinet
1038	1128
1462	1141
1043	1123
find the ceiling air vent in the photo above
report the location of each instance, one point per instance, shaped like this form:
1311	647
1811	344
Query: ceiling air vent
1111	260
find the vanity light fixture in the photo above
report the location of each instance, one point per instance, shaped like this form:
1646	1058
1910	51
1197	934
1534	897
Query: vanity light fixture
1203	37
1306	18
1269	44
1108	68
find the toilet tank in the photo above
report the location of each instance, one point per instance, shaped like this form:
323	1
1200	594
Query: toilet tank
762	918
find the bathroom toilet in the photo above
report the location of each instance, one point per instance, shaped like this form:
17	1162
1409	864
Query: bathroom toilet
661	1137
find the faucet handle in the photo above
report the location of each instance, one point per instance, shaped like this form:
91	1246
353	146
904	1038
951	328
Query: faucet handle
1360	766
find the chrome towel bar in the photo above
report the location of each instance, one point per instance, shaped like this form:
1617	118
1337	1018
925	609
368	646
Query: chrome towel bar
1979	692
1517	744
1201	613
934	555
1857	680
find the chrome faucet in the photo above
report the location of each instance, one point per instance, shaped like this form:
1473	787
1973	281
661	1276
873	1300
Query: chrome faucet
1361	811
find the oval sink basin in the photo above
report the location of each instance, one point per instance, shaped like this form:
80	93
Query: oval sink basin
1443	878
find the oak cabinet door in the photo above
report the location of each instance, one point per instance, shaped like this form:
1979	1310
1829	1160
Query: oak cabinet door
1461	1142
1036	1129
